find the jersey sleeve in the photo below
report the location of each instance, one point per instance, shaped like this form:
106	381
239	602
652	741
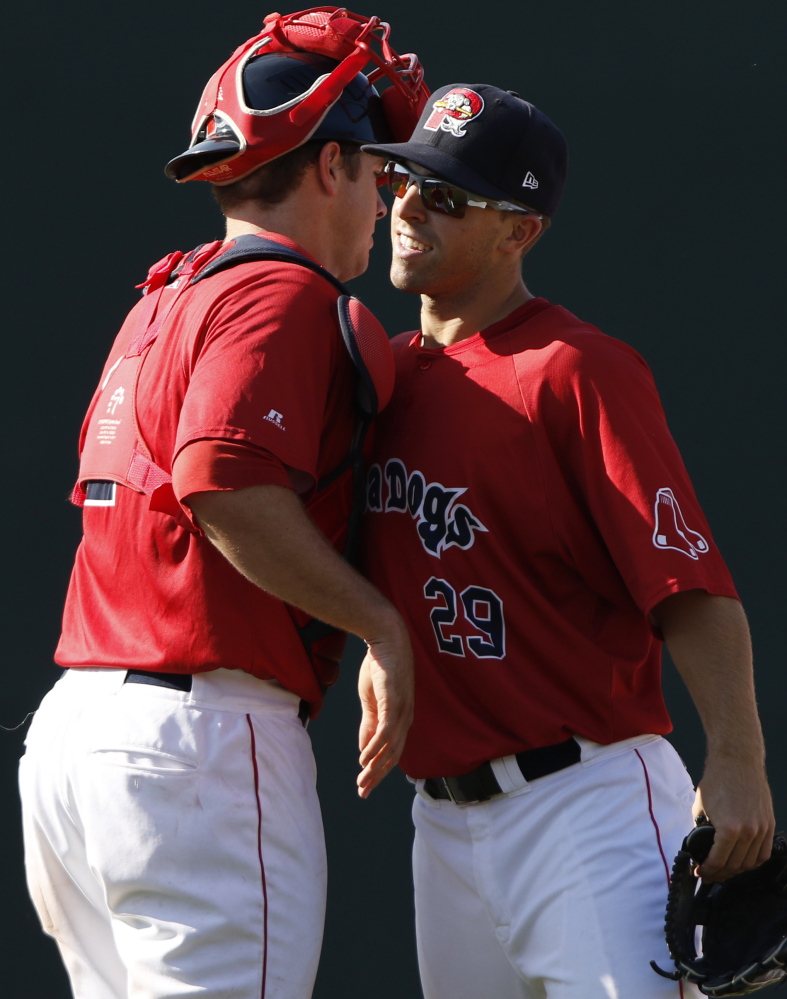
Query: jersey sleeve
262	371
217	466
207	466
601	407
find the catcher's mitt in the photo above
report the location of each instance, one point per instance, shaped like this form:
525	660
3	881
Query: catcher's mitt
744	921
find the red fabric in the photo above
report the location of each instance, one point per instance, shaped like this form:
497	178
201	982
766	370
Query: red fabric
214	464
251	355
540	449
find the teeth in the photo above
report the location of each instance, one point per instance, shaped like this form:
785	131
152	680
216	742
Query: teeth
412	244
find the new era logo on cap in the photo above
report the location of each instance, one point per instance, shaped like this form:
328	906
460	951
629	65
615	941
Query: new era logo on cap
530	181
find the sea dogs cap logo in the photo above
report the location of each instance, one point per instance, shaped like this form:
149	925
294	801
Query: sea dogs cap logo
454	110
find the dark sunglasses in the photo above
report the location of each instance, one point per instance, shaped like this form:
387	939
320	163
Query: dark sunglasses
443	196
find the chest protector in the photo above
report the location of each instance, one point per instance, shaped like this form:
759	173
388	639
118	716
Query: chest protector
113	449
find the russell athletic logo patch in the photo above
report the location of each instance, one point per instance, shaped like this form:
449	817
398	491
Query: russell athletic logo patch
454	110
671	530
277	419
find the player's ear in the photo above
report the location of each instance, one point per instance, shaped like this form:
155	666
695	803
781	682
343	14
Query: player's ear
329	163
521	232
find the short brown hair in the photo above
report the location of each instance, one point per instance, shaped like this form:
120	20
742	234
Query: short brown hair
274	182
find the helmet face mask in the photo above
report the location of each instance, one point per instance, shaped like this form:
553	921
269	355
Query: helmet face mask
300	78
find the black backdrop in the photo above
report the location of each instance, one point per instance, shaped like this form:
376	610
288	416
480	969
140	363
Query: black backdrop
669	237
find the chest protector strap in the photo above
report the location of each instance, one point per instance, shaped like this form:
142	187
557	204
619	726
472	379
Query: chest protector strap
369	350
363	335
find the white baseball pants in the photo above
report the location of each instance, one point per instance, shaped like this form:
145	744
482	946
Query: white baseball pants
556	890
174	843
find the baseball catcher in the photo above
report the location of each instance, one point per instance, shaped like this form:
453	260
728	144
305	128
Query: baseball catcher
173	839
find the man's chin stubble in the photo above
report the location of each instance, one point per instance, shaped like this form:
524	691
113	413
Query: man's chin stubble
408	282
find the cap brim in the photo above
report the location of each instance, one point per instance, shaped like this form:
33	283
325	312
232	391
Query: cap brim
204	154
441	164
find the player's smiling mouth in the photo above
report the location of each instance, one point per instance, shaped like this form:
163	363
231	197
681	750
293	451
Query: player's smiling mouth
408	243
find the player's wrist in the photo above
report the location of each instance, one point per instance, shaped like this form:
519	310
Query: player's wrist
740	752
387	628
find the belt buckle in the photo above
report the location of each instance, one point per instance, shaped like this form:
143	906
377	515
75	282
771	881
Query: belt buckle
446	782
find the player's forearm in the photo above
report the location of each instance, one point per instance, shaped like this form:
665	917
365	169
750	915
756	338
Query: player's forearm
266	534
708	639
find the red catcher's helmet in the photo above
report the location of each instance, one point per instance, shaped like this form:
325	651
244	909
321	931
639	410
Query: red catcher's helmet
230	139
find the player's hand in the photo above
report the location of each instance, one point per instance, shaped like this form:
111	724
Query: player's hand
385	687
735	797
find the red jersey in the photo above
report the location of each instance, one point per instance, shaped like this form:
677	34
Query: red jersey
527	509
250	356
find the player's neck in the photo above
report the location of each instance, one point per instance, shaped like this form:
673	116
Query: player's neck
285	223
302	218
447	320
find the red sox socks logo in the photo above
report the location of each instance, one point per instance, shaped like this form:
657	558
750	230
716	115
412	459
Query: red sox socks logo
441	521
671	530
454	110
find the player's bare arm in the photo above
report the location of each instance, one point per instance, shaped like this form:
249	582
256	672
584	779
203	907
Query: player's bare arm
266	534
708	639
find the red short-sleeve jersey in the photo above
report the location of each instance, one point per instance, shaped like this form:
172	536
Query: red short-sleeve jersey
251	355
527	509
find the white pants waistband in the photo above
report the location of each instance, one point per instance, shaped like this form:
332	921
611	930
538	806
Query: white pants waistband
221	689
510	777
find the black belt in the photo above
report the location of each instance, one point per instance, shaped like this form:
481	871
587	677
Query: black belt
182	681
175	681
481	784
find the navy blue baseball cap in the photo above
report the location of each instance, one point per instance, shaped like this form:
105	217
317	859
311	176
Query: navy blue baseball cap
490	142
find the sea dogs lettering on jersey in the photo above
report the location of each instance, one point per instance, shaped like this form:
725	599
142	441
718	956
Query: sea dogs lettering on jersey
441	522
671	530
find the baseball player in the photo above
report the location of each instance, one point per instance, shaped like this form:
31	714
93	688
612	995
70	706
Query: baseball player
531	518
173	837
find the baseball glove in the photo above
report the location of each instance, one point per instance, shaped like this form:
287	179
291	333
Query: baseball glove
743	919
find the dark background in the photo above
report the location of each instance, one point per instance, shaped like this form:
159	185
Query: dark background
670	237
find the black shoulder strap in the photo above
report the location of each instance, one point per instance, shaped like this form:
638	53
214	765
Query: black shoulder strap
250	247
